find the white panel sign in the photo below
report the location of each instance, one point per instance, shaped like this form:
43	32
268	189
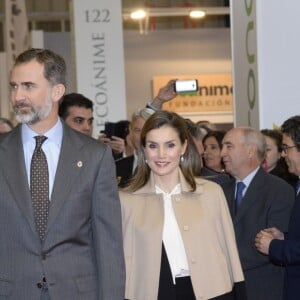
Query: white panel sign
244	56
99	58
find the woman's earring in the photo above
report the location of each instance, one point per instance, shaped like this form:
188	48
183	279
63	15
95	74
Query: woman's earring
181	158
146	161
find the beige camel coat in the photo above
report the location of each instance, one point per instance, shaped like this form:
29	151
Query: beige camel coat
206	230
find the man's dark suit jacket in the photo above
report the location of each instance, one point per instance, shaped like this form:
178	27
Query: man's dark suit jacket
124	170
81	256
287	252
267	203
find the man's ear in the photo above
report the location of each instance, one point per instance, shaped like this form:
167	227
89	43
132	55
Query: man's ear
58	90
252	151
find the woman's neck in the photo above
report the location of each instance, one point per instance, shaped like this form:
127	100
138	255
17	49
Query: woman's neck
166	183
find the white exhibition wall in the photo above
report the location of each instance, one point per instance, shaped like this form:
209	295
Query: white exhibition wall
278	26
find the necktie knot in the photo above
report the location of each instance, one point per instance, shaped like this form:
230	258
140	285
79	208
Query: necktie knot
39	140
240	186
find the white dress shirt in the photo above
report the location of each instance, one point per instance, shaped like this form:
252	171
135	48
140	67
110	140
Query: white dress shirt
247	180
172	237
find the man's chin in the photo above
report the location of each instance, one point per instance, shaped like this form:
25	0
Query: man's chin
26	119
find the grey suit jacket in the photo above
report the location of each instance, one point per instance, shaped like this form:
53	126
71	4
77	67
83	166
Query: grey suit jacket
267	203
82	254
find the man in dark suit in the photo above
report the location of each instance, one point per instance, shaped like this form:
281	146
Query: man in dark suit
284	248
80	253
265	200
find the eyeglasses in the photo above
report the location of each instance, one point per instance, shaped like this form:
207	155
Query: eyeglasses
285	148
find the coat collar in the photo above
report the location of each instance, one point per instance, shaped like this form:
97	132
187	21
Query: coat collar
149	187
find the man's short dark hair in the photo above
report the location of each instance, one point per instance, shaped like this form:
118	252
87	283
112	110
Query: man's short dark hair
291	127
54	64
73	99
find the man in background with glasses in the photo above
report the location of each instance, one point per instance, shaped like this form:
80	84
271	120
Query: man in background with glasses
282	247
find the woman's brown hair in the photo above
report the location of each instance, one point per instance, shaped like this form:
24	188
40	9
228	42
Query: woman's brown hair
190	157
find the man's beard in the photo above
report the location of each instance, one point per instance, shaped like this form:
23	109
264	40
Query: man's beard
35	114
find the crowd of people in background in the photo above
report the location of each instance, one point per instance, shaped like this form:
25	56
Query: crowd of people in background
205	213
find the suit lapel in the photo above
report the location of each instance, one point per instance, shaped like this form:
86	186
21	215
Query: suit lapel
229	189
14	170
68	168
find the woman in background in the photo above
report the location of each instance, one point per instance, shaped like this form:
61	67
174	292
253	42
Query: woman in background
213	165
178	236
274	163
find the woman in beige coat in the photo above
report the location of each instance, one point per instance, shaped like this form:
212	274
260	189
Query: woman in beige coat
178	237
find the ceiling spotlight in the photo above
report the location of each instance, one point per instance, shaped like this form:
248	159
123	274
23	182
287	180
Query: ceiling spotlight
138	14
197	14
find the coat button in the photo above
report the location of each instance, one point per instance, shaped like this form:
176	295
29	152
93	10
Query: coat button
186	227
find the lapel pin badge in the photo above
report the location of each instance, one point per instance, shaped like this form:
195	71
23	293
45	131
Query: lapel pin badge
79	164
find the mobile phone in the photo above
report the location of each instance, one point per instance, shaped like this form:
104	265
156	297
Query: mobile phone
185	86
109	129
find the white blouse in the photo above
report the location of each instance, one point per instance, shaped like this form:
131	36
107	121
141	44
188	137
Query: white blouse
172	237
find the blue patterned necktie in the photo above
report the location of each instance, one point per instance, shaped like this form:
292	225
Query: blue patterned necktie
39	186
239	194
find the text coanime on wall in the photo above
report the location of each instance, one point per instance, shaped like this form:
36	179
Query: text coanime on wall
99	58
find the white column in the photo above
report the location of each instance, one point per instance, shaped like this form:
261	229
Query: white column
244	62
99	58
266	61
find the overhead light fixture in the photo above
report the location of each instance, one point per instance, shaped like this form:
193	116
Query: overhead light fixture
175	12
197	14
138	14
